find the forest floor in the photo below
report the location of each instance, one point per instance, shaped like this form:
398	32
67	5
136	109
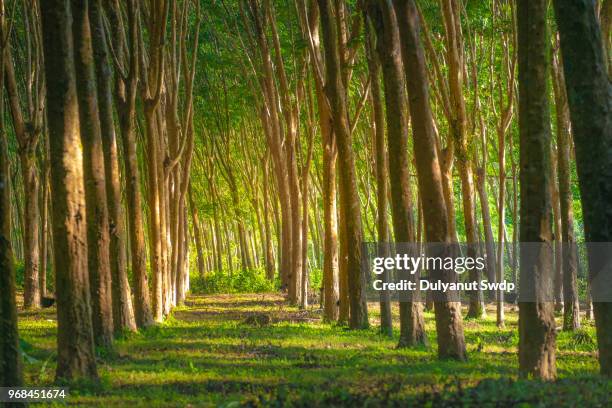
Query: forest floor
254	349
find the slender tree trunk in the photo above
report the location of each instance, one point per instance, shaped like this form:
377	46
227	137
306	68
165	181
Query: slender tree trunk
344	307
536	318
457	128
605	16
125	94
348	180
180	289
44	233
11	366
501	225
98	240
155	204
556	215
412	324
590	102
75	356
195	220
382	191
481	186
449	325
266	222
123	313
31	290
271	120
331	272
571	309
27	139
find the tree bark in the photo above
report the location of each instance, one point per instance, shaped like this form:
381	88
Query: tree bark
27	135
123	313
98	240
382	190
536	318
269	253
125	96
412	324
197	233
11	365
556	215
481	187
75	357
449	325
571	309
590	102
457	127
270	115
348	180
291	115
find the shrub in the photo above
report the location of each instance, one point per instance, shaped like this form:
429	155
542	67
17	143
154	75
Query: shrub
243	281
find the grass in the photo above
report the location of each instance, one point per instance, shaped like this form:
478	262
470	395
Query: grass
210	353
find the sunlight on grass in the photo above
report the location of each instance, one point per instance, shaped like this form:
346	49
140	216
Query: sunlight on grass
207	354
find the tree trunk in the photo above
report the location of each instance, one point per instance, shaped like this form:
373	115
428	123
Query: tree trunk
449	326
11	366
556	215
98	240
125	94
536	318
195	220
571	309
457	128
412	324
382	191
590	102
348	180
344	306
501	225
31	290
44	233
267	227
75	356
27	139
271	120
123	313
481	186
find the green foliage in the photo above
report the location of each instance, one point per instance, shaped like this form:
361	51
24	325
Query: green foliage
243	281
19	274
316	279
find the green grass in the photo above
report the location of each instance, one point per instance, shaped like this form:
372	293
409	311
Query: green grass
206	354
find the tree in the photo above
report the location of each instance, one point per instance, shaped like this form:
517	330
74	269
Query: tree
571	309
382	175
123	313
290	110
348	183
536	319
412	325
589	95
151	85
28	126
98	240
457	118
271	121
125	101
75	357
10	357
449	326
310	25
